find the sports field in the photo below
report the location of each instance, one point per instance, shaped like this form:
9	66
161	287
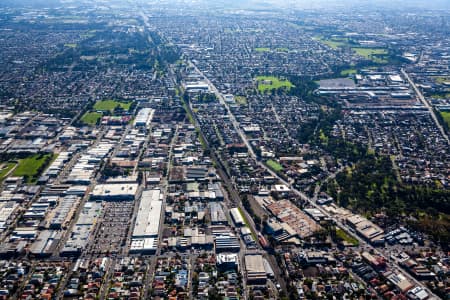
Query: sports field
105	105
268	83
90	118
32	166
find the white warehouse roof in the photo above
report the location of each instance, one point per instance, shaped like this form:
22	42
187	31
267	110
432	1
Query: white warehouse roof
149	215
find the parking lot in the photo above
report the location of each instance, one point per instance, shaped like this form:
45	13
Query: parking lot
110	235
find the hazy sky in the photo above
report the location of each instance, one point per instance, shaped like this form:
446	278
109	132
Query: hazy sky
397	4
302	4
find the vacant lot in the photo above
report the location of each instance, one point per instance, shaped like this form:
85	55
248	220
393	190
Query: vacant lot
346	238
440	96
374	54
441	80
268	83
274	165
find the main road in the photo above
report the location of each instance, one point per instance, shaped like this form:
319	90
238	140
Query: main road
427	104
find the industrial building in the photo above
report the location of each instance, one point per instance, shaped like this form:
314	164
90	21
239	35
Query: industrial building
144	245
298	222
81	231
58	164
418	293
227	261
399	281
144	117
7	208
368	230
237	217
84	169
114	192
197	87
46	243
196	173
60	217
255	270
217	213
146	227
227	243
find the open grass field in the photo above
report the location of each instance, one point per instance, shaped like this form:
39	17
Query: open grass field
345	237
32	166
333	42
268	83
5	168
91	118
110	105
262	49
70	45
370	53
274	165
446	117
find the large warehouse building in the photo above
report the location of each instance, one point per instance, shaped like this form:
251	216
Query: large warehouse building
254	266
146	227
144	117
114	191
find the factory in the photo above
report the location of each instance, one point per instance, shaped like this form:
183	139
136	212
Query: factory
368	230
7	208
83	171
237	217
46	243
58	164
81	231
197	87
146	227
114	192
255	270
217	213
227	243
144	117
227	261
293	220
60	217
